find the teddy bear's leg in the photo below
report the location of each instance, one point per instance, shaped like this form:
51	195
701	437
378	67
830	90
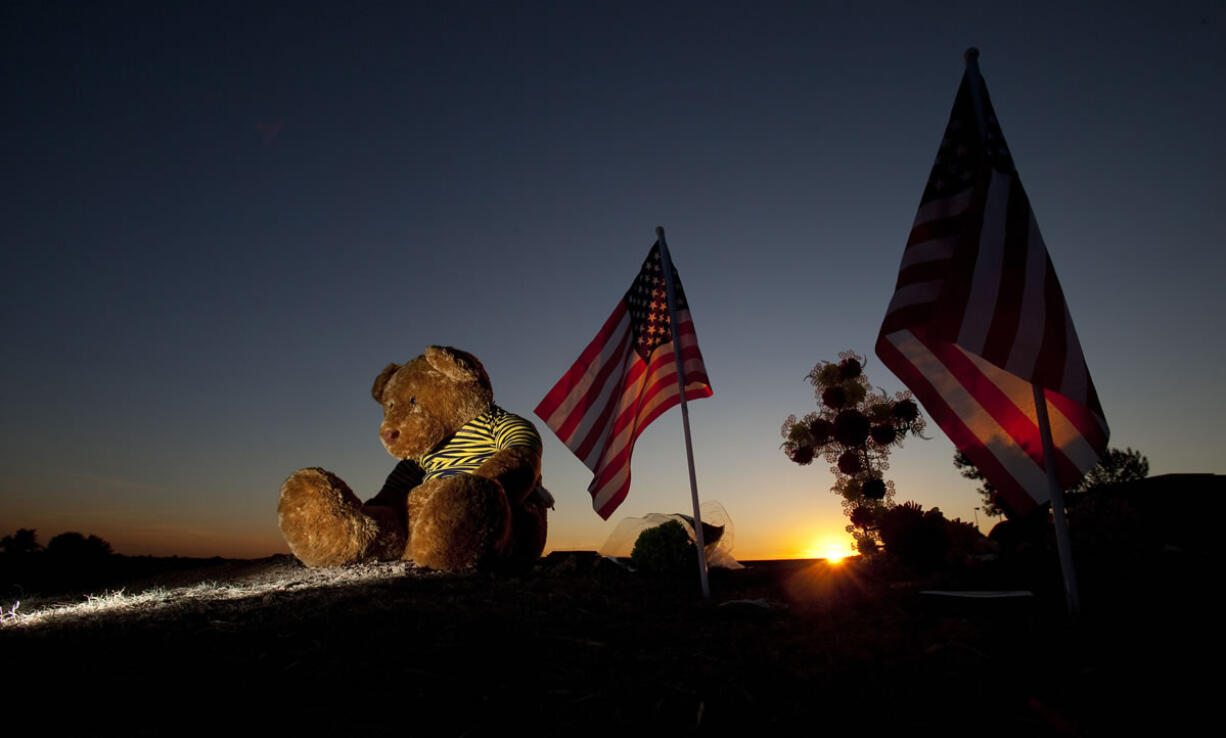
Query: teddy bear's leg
528	532
458	522
325	524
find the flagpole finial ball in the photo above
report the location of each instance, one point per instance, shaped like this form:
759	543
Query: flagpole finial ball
971	54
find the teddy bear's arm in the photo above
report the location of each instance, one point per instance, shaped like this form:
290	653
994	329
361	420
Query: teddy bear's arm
404	477
516	465
517	469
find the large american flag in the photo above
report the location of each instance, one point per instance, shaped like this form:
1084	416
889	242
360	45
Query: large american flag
978	317
623	380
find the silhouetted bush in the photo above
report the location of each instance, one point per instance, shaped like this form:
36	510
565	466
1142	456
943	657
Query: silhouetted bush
69	562
913	536
927	540
73	545
24	541
665	549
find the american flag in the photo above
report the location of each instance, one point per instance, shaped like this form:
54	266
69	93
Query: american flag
978	317
623	380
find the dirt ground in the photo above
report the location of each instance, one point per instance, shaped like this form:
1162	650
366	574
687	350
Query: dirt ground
581	646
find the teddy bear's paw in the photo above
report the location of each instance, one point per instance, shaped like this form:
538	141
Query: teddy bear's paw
390	542
323	522
458	523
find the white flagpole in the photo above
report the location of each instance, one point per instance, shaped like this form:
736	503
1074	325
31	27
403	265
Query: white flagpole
667	266
1063	543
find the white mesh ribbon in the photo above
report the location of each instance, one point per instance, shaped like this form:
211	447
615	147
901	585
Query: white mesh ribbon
718	534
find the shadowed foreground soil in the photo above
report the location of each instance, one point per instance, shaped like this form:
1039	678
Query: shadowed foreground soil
583	647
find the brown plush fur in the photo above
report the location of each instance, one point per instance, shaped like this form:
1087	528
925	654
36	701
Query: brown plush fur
529	531
334	528
428	399
480	520
517	469
459	522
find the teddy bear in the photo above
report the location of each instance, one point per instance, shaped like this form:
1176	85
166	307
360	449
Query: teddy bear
466	493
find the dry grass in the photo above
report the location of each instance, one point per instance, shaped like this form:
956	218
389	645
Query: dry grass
583	647
248	583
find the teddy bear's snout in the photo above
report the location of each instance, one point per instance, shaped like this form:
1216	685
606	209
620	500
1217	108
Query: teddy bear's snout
391	434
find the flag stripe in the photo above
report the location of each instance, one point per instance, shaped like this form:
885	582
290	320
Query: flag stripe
573	388
625	428
1029	337
1007	313
989	258
935	211
586	419
936	251
943	396
1070	442
923	293
1086	424
956	291
1076	381
962	395
1054	353
947	228
927	272
602	425
1020	394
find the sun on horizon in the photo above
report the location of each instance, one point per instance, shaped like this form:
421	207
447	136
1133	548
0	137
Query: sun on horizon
832	548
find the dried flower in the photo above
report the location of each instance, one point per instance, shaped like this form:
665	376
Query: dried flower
802	455
851	428
849	463
883	434
906	410
850	368
834	397
821	430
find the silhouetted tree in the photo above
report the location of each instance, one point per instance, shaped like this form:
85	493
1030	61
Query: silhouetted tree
73	545
1116	466
24	541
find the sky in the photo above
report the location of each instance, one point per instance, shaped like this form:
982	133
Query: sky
219	221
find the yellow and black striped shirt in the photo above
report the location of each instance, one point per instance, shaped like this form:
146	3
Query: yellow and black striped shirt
479	439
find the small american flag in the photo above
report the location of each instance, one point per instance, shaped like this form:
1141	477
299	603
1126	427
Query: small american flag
978	317
623	380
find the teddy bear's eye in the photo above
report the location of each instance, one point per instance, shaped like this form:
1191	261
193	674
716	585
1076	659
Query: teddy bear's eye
412	400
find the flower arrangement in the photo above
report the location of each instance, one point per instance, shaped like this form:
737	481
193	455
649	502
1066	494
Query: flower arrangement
854	429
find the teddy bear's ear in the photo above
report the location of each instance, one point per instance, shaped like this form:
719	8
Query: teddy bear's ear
381	381
457	365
